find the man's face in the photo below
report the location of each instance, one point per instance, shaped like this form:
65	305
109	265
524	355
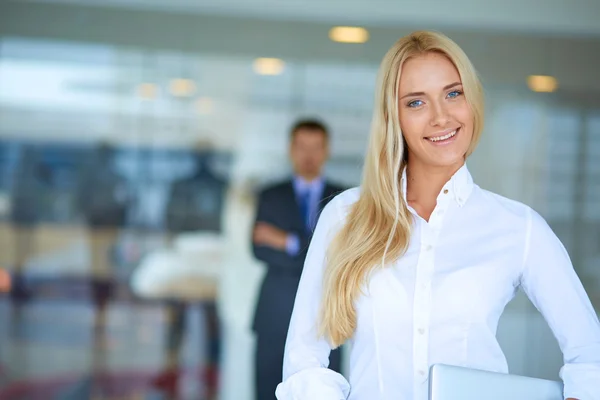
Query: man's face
309	151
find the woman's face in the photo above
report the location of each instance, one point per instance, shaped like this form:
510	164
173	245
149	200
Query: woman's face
435	118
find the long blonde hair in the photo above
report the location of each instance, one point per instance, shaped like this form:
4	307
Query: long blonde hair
378	226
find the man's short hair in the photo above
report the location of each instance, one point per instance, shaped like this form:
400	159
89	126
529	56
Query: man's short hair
311	125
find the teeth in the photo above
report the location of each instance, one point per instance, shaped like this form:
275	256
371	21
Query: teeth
448	136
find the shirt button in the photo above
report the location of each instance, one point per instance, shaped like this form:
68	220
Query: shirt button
421	372
421	331
445	191
428	247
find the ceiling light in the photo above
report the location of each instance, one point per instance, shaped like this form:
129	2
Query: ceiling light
542	83
182	87
348	34
268	66
147	91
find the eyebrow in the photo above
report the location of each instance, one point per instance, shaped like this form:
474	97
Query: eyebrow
414	94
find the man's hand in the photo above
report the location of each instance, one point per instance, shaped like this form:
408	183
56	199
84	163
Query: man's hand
268	235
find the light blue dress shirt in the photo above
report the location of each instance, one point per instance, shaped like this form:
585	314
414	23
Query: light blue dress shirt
315	189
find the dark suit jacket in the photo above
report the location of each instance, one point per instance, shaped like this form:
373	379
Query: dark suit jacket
278	206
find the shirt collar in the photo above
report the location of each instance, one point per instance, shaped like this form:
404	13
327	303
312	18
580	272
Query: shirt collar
301	185
459	186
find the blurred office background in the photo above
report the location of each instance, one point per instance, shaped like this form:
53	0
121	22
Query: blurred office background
134	135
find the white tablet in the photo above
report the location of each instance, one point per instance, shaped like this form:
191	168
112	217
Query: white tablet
457	383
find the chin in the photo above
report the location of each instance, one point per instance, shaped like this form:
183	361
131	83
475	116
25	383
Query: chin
443	160
449	157
309	172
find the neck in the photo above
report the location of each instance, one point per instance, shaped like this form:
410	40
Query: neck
424	183
308	177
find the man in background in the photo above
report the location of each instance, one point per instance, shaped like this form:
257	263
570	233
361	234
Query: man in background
287	215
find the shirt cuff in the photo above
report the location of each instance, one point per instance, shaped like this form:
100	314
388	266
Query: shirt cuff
314	384
581	381
292	246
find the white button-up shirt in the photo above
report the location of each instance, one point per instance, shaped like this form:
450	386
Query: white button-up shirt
441	301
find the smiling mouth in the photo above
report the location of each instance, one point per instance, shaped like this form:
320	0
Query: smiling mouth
444	137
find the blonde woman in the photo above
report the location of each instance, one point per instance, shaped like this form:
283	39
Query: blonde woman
416	266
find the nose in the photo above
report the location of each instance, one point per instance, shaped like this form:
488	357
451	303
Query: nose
439	116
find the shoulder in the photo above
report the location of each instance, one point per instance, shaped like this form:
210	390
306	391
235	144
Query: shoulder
343	201
515	212
335	212
274	190
334	187
503	206
331	190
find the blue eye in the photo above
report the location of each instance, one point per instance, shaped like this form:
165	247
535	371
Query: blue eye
415	103
454	94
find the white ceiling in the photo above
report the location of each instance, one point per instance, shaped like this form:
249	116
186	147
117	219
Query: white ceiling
563	17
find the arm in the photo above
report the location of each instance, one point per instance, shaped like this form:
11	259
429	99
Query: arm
275	252
552	285
305	372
